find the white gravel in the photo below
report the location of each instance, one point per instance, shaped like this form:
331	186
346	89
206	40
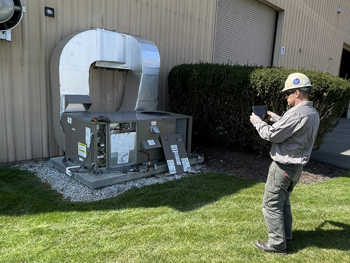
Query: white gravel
75	191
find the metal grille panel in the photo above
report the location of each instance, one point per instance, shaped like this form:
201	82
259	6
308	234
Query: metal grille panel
244	33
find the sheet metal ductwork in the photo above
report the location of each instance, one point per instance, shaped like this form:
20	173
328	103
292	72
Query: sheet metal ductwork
71	61
11	13
104	148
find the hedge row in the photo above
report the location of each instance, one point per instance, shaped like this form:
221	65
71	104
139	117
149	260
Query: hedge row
220	99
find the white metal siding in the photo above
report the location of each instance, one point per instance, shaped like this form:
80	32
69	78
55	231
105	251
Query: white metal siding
244	32
314	34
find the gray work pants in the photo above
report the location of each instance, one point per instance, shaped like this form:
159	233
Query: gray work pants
277	211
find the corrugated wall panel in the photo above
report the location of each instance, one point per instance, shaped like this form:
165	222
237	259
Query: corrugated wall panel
108	96
6	114
313	33
182	29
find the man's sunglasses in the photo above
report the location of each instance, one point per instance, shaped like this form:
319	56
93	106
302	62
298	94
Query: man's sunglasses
290	92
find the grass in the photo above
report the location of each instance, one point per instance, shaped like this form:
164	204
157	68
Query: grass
202	218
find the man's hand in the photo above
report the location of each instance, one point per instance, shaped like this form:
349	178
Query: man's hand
266	117
270	115
252	117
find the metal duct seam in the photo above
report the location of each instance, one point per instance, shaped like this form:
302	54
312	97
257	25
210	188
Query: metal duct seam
73	56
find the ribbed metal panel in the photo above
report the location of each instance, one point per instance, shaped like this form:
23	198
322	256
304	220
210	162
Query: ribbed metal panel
183	30
314	33
244	32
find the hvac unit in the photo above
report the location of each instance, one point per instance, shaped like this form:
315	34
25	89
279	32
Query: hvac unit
103	148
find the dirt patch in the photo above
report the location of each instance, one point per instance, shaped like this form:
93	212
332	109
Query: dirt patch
254	167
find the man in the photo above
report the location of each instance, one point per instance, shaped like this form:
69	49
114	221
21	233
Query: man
292	136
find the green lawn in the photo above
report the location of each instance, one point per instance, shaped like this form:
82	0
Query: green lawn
201	218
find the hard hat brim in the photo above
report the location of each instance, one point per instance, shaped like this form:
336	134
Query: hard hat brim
298	88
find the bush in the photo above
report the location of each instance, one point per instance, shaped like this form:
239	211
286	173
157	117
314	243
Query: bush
220	99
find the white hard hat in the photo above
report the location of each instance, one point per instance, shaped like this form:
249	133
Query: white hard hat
297	81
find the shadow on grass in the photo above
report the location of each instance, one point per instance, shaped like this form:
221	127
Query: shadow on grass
22	193
322	238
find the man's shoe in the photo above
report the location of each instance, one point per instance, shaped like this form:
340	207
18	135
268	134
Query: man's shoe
289	241
267	248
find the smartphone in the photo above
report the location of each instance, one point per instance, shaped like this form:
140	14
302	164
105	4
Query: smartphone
260	110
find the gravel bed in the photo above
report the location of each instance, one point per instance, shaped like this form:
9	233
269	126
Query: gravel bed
74	191
217	160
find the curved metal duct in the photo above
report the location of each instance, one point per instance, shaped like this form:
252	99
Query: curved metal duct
11	13
71	61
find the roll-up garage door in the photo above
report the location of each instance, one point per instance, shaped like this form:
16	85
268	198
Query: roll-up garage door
245	32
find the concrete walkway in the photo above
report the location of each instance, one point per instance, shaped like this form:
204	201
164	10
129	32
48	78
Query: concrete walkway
336	147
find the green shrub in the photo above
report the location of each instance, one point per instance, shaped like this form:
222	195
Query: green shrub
220	99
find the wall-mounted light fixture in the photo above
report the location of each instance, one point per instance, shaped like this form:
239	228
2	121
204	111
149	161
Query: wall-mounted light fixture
49	11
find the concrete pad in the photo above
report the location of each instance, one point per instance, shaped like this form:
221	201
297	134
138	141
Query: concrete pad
109	176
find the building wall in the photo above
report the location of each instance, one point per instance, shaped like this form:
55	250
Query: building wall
312	32
245	33
183	30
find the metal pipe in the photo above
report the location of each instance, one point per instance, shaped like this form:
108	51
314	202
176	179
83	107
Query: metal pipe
148	160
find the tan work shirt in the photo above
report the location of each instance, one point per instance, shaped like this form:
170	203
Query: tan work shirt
293	135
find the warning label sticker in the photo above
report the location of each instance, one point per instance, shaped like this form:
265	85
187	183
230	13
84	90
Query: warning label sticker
82	149
175	151
151	142
186	164
171	166
123	157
